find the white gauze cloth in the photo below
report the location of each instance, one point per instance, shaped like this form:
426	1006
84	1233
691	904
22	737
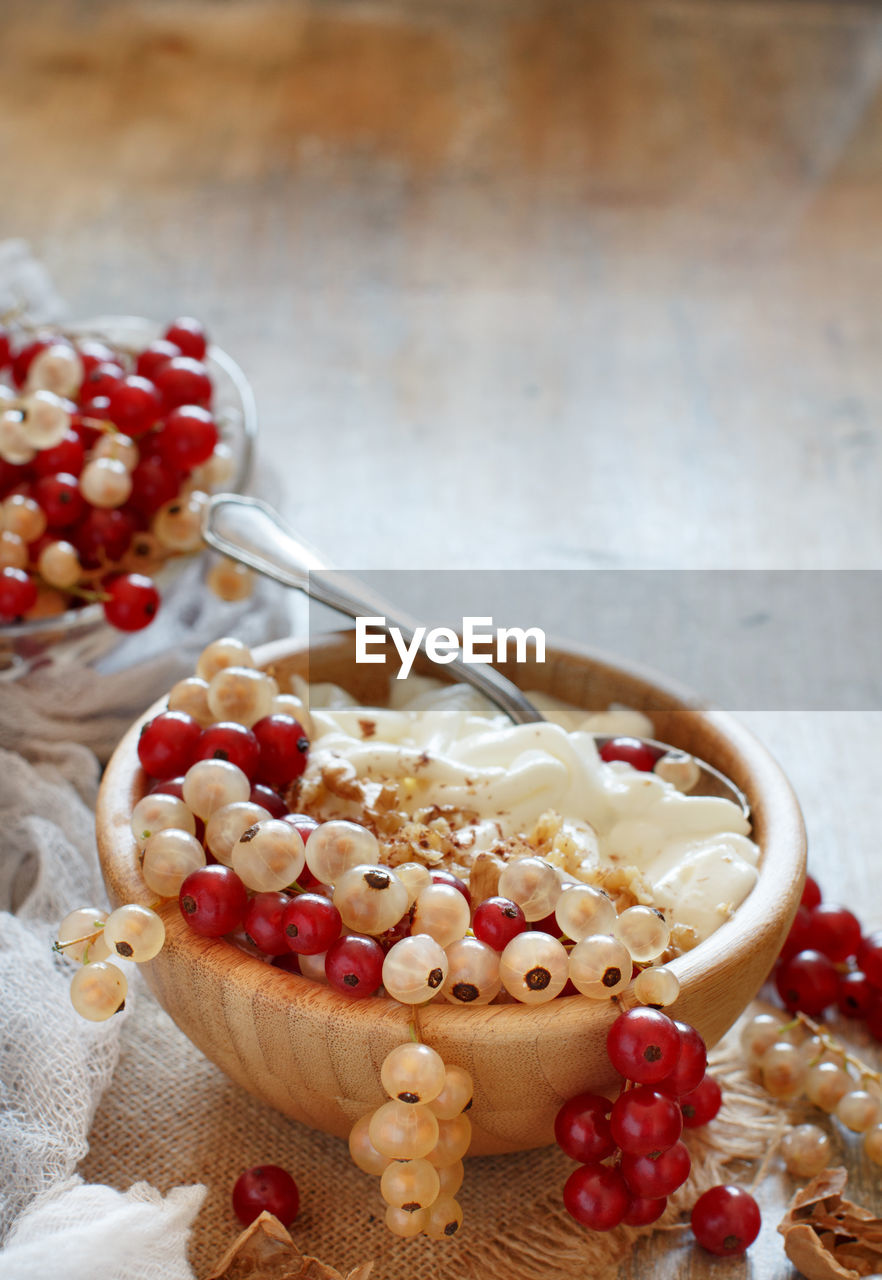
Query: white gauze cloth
55	724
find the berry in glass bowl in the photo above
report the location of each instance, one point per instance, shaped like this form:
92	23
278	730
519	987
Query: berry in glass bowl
92	453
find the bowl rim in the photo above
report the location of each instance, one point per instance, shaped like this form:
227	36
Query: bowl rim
761	778
72	621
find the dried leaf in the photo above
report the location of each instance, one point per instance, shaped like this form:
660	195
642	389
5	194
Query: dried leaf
804	1249
265	1251
827	1237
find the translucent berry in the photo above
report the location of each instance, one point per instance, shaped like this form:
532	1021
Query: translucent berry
98	990
413	1073
134	932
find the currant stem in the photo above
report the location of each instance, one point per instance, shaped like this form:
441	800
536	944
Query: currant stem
414	1026
833	1045
72	942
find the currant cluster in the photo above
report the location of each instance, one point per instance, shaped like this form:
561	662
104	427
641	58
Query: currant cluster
106	459
797	1060
91	936
415	1142
828	961
630	1152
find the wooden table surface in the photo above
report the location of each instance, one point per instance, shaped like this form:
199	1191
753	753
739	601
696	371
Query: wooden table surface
562	285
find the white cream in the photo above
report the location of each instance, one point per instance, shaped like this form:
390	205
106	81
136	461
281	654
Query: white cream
692	852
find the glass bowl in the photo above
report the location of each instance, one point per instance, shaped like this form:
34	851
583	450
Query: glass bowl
82	636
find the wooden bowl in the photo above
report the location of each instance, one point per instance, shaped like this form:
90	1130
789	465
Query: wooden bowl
316	1056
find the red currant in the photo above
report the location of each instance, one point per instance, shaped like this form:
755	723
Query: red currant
807	981
643	1045
691	1064
134	405
811	894
447	877
641	1211
657	1175
93	352
263	922
284	750
169	787
702	1104
22	361
303	823
11	476
103	537
726	1220
582	1129
18	593
228	740
93	409
310	924
799	936
869	958
5	348
188	437
643	1121
856	995
835	931
153	485
354	965
100	380
213	900
289	962
68	456
596	1196
133	601
59	496
183	381
168	744
266	1188
498	920
269	800
640	755
151	358
189	335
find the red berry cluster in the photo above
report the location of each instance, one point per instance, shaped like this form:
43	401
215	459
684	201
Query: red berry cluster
287	924
126	434
630	1151
828	961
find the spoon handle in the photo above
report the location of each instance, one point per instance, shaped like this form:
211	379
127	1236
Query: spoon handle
252	533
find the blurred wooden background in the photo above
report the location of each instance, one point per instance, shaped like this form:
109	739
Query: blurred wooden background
570	283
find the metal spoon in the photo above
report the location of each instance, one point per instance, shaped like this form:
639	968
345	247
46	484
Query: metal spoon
252	533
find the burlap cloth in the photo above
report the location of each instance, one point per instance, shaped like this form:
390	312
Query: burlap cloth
172	1117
